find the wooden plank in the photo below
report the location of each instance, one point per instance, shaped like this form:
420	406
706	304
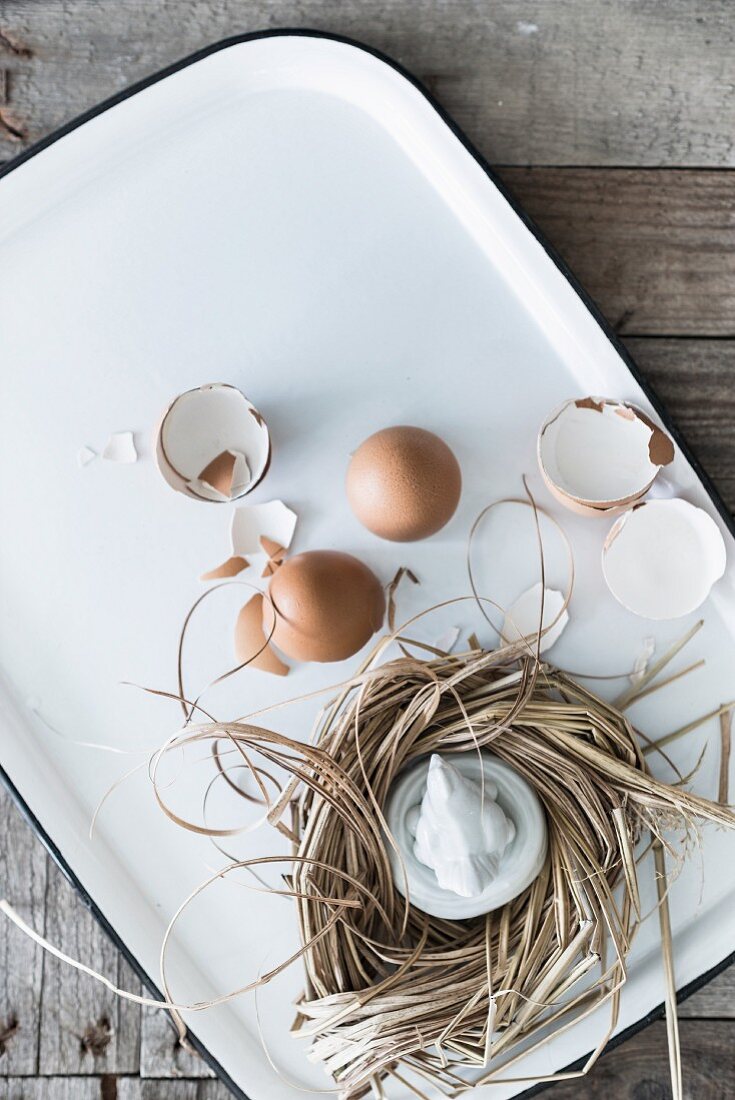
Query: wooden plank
23	877
655	249
161	1054
636	1070
55	1088
603	82
696	381
715	1001
85	1029
131	1088
639	1068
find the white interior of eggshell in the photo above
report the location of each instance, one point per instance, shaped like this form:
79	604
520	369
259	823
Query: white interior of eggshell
661	559
597	455
202	424
522	618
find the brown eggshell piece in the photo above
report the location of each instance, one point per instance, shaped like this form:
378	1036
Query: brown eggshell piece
328	605
660	447
276	553
219	473
404	483
229	568
249	639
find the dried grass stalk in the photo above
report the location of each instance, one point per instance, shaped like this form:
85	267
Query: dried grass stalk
723	787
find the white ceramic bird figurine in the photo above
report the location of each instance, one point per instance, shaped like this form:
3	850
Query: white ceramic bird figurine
461	832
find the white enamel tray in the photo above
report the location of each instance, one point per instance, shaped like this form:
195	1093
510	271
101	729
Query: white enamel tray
292	214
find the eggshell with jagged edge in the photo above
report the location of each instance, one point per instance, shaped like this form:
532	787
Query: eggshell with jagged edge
598	456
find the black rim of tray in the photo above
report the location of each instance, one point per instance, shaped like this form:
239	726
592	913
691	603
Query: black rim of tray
591	306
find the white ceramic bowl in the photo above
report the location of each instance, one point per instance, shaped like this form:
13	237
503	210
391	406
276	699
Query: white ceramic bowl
521	861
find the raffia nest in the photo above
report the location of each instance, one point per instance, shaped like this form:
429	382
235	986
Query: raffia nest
390	989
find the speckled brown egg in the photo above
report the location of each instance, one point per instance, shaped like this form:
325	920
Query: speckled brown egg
328	605
404	483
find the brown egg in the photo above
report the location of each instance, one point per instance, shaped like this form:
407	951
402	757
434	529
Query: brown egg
328	605
404	483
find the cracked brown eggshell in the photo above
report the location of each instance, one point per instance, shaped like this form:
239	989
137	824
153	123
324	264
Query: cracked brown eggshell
327	604
599	456
404	483
212	444
252	645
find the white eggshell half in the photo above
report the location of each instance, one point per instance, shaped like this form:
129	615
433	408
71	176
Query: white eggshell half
600	454
203	423
522	618
661	559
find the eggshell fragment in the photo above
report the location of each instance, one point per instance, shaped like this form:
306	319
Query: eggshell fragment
661	558
327	606
85	455
213	444
642	661
229	568
448	640
598	456
120	447
522	618
250	640
226	477
218	474
404	483
276	554
252	523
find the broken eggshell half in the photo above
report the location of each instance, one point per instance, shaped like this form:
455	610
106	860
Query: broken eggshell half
212	444
598	456
661	558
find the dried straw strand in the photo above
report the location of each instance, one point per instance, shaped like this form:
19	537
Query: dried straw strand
723	787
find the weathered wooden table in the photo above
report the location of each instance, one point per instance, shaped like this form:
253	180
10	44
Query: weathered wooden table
614	122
